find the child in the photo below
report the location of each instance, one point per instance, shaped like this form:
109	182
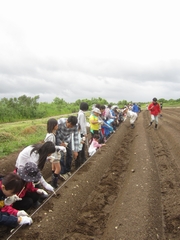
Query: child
52	126
83	128
37	154
94	145
94	121
29	195
9	186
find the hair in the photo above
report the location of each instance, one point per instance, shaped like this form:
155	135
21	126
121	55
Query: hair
72	120
43	150
51	123
102	107
12	182
84	106
109	105
96	136
97	105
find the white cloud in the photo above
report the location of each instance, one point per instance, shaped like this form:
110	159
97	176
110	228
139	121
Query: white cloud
83	49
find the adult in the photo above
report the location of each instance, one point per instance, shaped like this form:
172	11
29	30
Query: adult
83	128
132	115
67	127
135	108
155	110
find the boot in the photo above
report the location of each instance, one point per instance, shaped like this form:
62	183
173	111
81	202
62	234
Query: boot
150	123
132	125
155	126
54	181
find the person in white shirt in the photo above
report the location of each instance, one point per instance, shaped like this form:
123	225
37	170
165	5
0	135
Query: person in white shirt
37	153
83	128
52	126
130	114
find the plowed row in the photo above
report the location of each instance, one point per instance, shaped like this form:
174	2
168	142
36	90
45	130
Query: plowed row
128	190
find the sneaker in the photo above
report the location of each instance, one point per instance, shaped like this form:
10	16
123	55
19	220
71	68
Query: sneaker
64	176
69	174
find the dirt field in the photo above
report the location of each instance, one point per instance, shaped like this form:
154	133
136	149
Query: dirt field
129	190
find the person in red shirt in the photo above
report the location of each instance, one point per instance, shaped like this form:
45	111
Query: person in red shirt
155	110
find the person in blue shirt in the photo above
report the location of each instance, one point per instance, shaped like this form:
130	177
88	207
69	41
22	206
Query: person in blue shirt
135	108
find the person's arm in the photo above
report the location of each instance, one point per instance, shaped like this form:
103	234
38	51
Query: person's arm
76	140
8	220
46	185
59	136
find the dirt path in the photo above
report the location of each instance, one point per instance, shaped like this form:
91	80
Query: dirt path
128	190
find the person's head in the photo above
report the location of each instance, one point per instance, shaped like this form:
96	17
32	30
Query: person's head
96	137
44	150
154	100
84	106
71	121
96	111
109	105
11	184
102	109
97	105
29	172
52	124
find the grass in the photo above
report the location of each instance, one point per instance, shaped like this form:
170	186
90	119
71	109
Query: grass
16	135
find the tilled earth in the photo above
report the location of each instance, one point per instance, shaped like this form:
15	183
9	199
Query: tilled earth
130	189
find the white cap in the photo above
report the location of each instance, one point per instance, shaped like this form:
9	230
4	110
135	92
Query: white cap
96	110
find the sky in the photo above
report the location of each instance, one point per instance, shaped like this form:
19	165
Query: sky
82	49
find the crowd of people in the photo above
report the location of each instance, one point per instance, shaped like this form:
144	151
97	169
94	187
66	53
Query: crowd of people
66	139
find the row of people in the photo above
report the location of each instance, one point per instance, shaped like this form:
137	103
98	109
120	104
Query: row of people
59	150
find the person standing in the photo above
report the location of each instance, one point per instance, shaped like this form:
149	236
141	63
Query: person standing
161	106
83	128
52	126
135	108
67	127
155	110
94	122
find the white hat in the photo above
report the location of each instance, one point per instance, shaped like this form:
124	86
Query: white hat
96	110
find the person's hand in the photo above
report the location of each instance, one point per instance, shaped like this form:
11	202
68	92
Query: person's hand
41	191
10	200
62	148
22	213
25	220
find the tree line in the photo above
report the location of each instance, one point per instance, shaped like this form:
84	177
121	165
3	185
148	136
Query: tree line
24	107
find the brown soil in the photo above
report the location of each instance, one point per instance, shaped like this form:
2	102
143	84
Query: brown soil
130	189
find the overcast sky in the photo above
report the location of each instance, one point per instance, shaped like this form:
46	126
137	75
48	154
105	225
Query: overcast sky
83	49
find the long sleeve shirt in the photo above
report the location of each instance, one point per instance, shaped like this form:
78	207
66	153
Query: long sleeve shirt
82	122
26	156
64	134
93	147
154	108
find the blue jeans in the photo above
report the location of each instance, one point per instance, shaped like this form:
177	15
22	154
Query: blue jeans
66	160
